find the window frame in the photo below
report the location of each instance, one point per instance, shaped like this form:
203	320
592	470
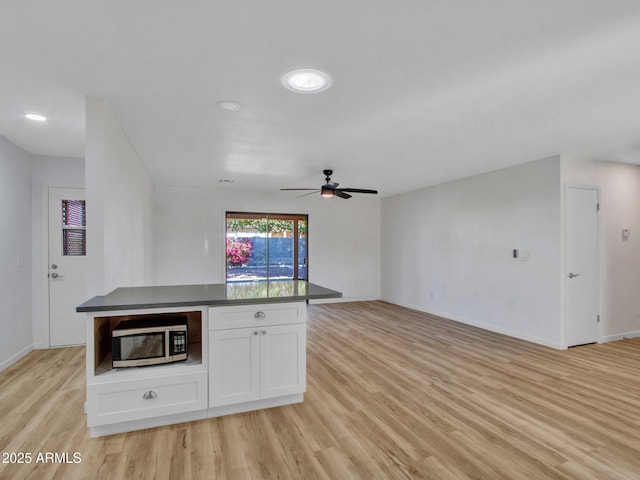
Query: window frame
295	217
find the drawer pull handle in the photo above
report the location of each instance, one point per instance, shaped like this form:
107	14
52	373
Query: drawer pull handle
150	395
264	332
259	315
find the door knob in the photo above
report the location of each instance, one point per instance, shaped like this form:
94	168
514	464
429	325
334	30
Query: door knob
572	275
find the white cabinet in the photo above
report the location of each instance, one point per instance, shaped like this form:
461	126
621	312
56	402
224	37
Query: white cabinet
122	401
265	358
130	398
234	372
241	358
257	315
283	360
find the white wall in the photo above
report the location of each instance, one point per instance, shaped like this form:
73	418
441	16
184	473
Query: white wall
447	250
46	172
344	236
15	242
119	206
619	259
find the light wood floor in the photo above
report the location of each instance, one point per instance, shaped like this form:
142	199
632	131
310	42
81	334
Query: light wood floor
391	393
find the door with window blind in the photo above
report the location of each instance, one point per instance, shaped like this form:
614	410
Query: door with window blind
67	259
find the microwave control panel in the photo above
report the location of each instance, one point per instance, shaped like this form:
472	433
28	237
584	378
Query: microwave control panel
178	342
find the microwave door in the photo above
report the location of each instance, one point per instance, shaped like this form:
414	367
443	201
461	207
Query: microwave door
137	347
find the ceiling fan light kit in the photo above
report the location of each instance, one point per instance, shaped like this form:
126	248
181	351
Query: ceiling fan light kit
326	192
330	189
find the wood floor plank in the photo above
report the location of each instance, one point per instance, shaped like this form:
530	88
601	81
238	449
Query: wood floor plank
392	393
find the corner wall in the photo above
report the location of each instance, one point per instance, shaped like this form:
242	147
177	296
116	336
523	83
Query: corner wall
448	250
119	206
15	253
619	259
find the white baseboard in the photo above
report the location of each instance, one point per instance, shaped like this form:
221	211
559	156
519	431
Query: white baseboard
620	336
484	326
14	358
256	405
342	300
130	426
114	428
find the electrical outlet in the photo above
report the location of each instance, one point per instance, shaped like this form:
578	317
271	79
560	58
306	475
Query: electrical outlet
19	261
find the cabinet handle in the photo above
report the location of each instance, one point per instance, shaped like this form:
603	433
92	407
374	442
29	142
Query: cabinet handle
260	314
264	332
255	332
150	395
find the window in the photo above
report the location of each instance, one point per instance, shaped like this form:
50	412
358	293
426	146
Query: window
266	246
74	228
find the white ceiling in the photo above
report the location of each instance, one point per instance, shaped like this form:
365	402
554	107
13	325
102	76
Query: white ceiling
424	91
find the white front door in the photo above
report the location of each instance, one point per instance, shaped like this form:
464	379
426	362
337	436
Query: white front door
67	259
581	266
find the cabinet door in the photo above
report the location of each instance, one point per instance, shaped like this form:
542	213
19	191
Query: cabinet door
234	366
283	360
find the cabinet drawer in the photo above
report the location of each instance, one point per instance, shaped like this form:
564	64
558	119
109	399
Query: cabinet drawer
139	399
221	318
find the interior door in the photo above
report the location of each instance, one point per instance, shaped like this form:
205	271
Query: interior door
67	260
581	266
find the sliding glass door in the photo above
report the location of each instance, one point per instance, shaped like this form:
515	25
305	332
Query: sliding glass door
265	246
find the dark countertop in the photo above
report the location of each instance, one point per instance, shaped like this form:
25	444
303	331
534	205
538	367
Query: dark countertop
216	294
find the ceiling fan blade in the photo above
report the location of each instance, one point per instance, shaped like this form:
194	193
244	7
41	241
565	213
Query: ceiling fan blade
310	193
358	190
330	189
341	194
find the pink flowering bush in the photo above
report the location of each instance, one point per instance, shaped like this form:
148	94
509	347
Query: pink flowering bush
238	252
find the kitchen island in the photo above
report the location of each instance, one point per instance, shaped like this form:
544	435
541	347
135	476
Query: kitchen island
246	351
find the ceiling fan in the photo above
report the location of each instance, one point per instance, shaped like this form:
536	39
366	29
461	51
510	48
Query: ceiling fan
330	189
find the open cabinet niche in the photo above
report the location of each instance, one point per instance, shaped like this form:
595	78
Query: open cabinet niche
103	326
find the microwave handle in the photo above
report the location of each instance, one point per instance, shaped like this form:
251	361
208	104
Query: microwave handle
125	332
167	343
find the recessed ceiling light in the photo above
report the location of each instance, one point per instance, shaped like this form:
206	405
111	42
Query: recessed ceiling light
229	105
306	80
36	117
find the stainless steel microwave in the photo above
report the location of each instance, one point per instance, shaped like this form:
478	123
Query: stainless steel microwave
149	341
